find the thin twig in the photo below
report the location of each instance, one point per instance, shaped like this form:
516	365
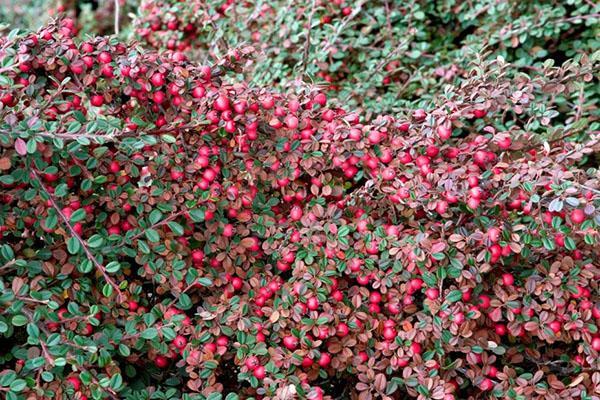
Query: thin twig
307	43
74	234
345	22
117	17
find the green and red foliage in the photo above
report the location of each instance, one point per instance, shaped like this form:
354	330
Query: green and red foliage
377	55
170	231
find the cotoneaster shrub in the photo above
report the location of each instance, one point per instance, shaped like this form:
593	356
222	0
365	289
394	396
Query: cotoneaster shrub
380	56
171	232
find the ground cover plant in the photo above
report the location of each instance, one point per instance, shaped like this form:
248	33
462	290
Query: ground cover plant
172	228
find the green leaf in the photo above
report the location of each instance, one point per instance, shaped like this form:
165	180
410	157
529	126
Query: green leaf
185	302
116	381
95	241
197	215
155	217
176	228
152	235
113	267
33	331
168	138
18	385
343	231
454	296
570	243
51	221
124	350
150	333
7	252
85	267
73	245
107	290
205	281
78	215
19	320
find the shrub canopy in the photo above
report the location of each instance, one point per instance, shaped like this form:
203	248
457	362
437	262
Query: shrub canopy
172	229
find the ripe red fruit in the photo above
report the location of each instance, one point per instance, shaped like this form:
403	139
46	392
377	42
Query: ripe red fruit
479	113
159	97
252	362
416	347
388	174
197	257
237	283
444	132
104	57
114	167
577	216
198	92
221	103
312	303
389	333
296	213
77	69
108	71
342	330
290	342
432	293
596	343
493	234
222	341
324	360
87	47
486	384
133	305
307	362
97	100
320	99
210	347
161	361
259	372
555	326
8	99
157	79
508	279
374	137
500	329
75	382
176	174
419	114
291	122
180	342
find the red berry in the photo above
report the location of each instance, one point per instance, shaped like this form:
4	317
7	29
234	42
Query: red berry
157	79
97	100
508	279
198	92
252	362
577	216
75	382
342	330
432	293
161	361
259	372
324	360
290	342
180	341
104	57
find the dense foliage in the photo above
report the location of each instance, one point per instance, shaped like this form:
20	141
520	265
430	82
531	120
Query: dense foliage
381	55
190	220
